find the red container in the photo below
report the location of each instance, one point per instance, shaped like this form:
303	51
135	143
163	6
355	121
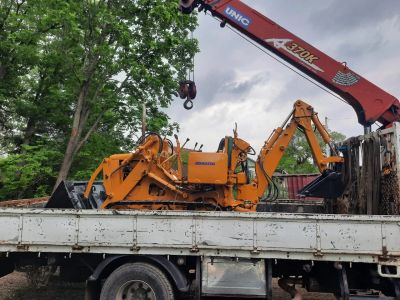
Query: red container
294	183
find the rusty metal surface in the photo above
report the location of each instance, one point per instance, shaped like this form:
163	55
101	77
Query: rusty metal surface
373	239
24	202
372	173
297	182
391	179
292	184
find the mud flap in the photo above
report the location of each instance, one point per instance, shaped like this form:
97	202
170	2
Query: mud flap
69	194
328	185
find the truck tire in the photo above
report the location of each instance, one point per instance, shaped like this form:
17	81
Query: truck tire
137	281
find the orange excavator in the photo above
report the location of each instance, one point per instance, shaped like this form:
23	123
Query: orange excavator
155	176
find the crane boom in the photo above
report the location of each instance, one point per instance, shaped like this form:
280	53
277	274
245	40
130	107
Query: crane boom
371	103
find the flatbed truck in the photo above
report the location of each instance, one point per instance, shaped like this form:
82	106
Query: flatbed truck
128	254
123	254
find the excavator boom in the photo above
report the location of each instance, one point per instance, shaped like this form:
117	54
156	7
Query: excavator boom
303	118
371	103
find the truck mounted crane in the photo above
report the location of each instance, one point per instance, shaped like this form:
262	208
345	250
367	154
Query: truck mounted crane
371	103
153	176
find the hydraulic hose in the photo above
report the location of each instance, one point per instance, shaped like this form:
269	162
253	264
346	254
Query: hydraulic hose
143	138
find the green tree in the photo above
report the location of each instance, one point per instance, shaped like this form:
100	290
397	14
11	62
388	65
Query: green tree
75	73
25	175
298	157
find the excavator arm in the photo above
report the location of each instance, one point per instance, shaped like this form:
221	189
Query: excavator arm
371	103
305	119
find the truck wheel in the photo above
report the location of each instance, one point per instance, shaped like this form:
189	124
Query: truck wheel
137	281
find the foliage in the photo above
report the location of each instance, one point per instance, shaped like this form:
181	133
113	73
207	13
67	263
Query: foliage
27	175
298	156
77	72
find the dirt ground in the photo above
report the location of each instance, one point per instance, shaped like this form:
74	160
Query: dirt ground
15	286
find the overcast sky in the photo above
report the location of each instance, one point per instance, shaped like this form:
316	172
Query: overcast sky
236	82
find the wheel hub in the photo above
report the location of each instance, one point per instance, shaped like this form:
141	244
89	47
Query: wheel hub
135	290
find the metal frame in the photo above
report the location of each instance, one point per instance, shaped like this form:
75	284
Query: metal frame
341	238
395	132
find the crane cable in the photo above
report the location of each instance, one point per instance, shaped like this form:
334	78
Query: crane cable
280	61
192	38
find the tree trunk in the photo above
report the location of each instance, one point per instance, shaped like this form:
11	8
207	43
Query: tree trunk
2	72
67	162
79	122
29	131
144	123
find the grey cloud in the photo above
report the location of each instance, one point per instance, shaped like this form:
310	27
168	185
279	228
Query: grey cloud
222	86
350	14
394	81
350	51
207	86
242	88
297	88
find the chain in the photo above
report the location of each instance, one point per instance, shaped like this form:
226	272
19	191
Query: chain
390	194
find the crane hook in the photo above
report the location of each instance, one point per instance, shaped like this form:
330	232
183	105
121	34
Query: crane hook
188	104
187	90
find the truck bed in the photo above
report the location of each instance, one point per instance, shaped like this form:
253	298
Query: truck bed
314	237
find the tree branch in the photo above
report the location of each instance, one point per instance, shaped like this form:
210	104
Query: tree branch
123	83
85	115
2	72
89	133
19	5
6	15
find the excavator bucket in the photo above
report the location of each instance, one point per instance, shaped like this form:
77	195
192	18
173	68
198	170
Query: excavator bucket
328	185
69	194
